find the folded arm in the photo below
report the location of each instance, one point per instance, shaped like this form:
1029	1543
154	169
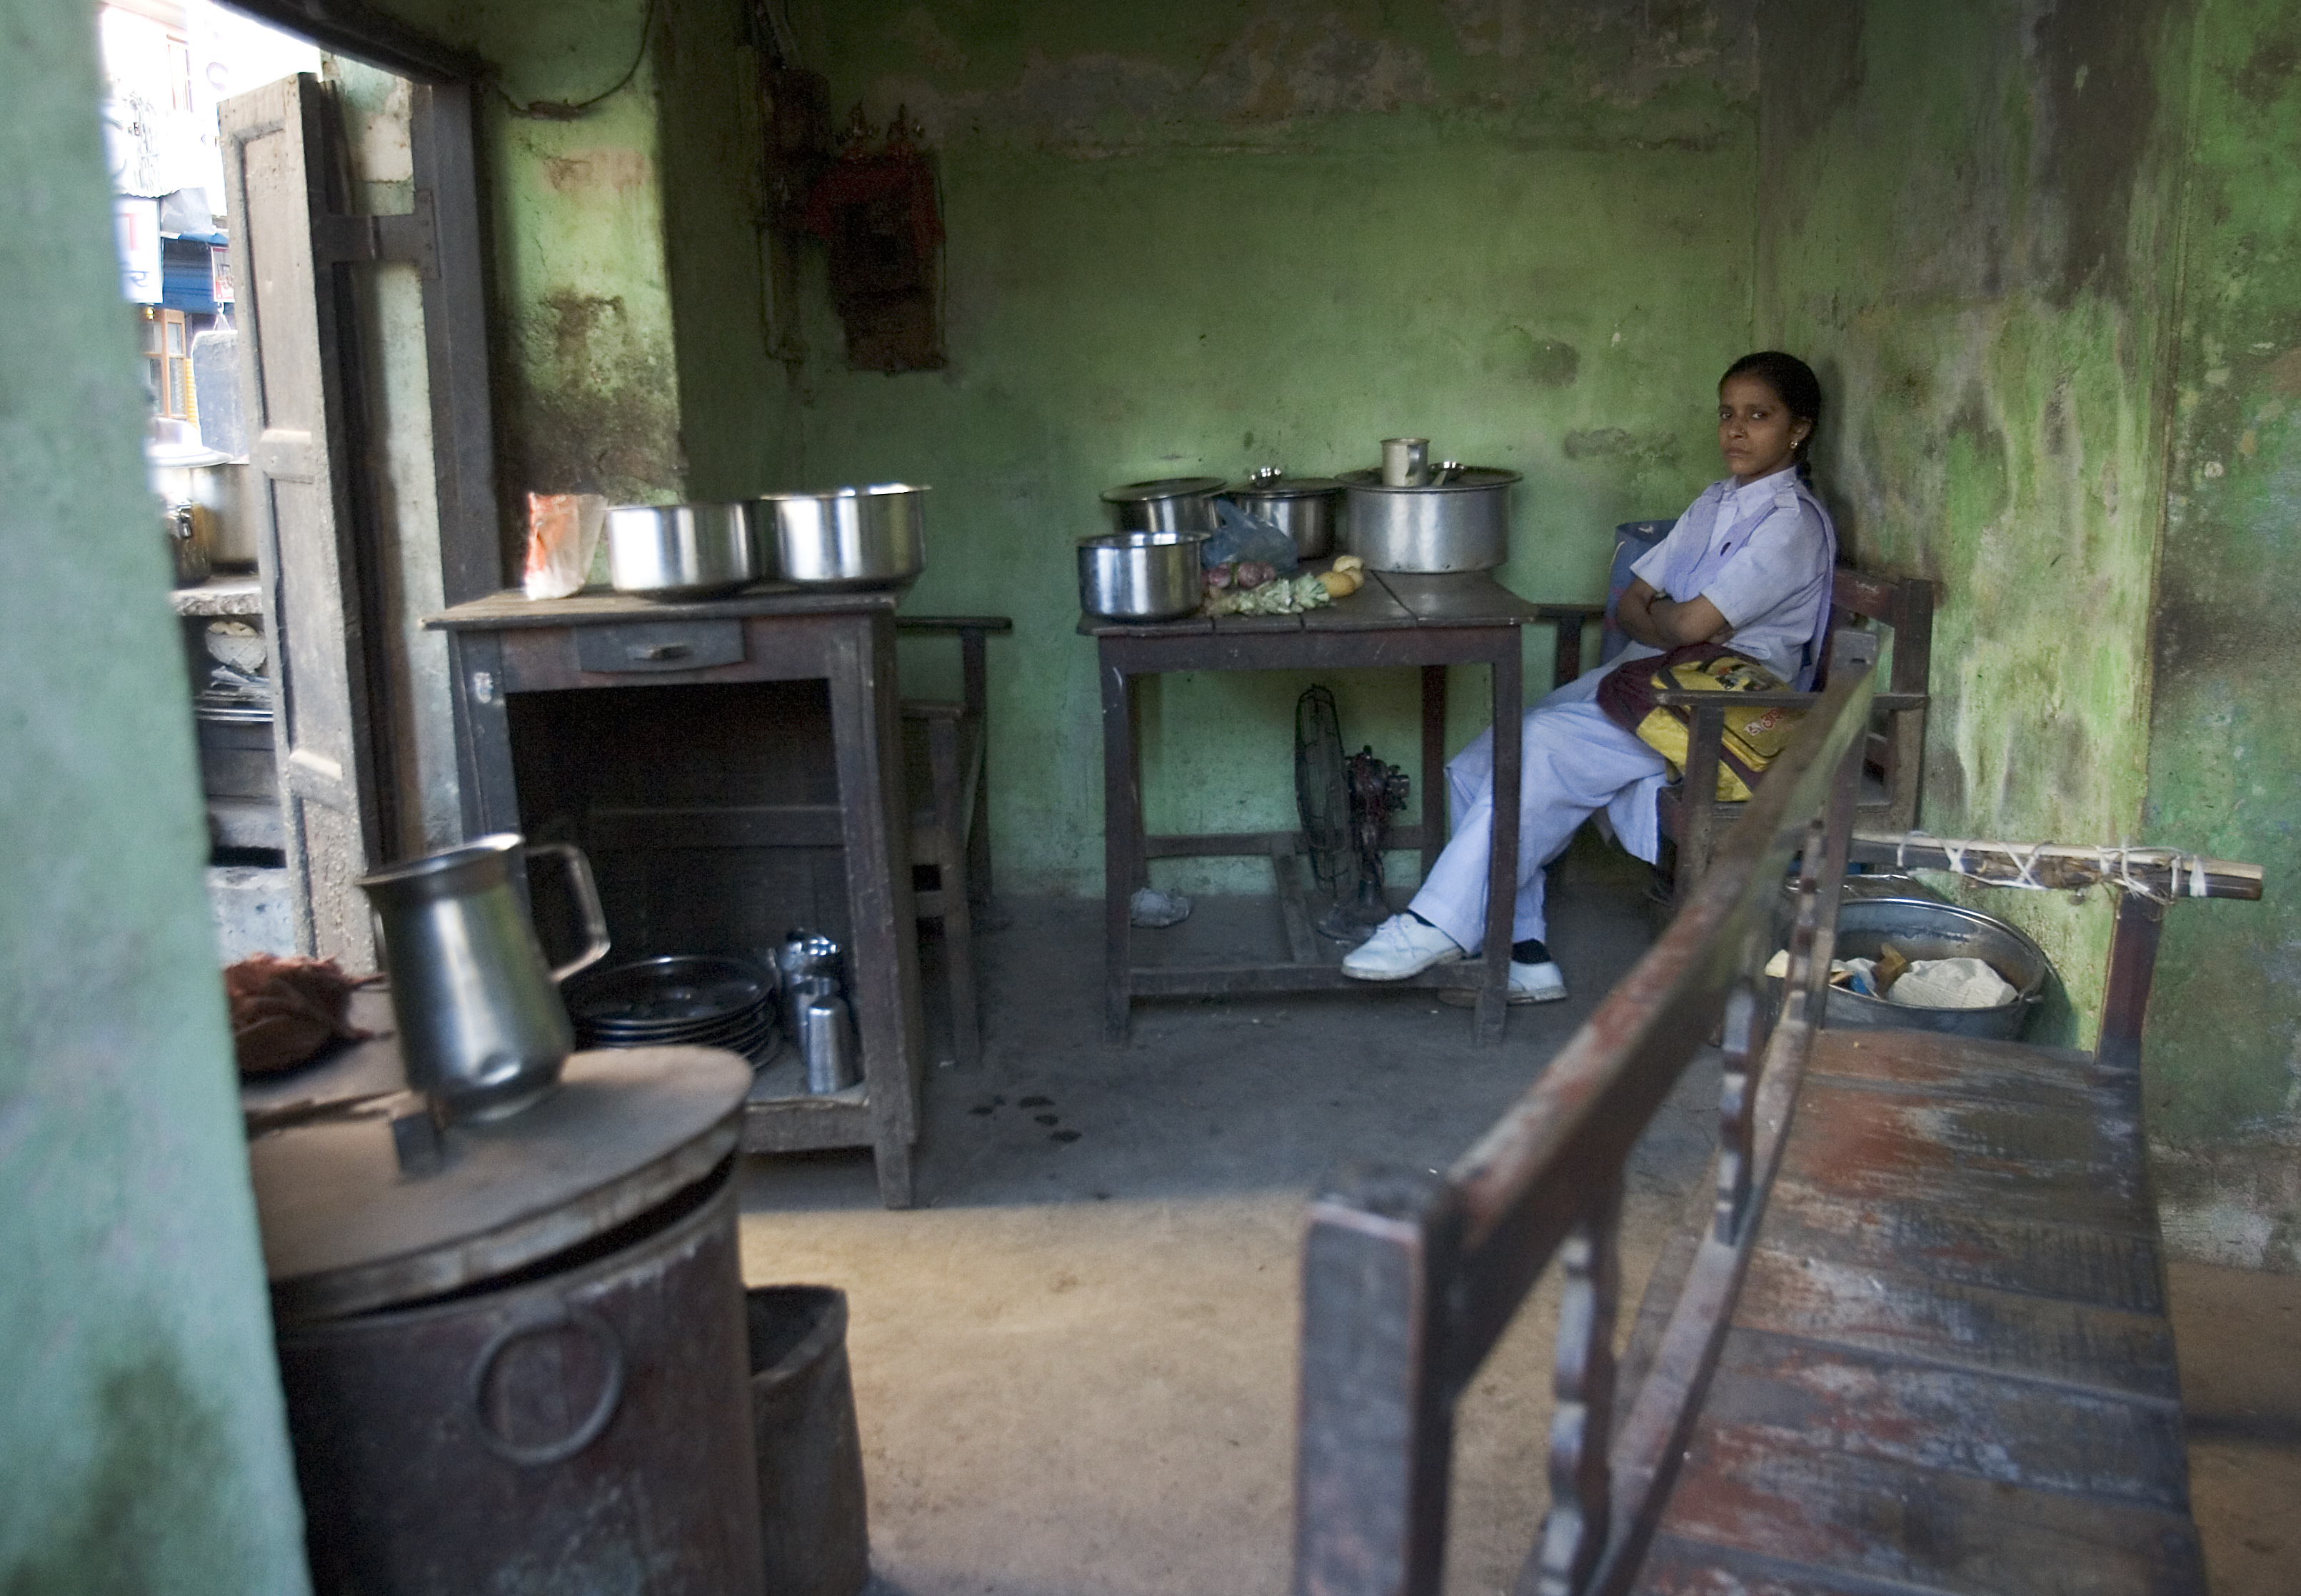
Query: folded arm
1661	622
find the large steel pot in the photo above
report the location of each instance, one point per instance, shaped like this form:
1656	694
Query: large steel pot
1165	505
681	551
872	537
1458	522
1141	576
1305	508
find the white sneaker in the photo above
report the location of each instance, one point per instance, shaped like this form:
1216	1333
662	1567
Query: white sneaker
1402	946
1544	983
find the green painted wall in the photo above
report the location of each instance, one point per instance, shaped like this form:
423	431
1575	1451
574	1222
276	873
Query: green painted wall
1193	239
143	1444
2224	1042
587	390
1967	216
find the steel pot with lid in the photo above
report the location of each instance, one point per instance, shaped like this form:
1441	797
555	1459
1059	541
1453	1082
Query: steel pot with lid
1458	521
1305	508
1165	505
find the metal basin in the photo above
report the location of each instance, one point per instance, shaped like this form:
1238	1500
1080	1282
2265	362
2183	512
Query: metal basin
872	537
1923	929
1459	524
681	551
1141	576
1165	505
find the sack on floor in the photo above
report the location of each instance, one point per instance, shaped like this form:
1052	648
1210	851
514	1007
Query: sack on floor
1754	738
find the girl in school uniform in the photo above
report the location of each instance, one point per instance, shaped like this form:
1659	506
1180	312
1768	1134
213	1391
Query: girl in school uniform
1748	563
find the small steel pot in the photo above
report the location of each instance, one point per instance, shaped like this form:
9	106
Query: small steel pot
1459	521
681	551
1305	508
871	537
1141	576
1167	505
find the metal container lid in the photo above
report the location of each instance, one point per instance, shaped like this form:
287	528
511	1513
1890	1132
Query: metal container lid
1270	482
1136	493
346	1230
1469	478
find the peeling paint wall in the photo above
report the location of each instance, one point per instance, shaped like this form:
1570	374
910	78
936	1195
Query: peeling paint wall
2224	1044
584	338
1195	239
1968	215
143	1440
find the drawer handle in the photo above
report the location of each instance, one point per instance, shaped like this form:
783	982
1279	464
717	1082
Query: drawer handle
660	651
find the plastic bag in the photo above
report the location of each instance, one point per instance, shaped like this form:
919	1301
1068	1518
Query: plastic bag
563	534
1240	536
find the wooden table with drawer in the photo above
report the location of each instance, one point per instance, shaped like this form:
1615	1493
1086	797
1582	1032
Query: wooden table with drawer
653	731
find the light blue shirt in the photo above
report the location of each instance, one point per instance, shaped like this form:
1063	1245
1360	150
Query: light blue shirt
1762	552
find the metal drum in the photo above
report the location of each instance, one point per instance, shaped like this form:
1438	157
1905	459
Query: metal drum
527	1370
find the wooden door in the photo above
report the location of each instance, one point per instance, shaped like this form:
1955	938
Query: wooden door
293	394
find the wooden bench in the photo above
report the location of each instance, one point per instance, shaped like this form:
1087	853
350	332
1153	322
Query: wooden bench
1893	756
1916	1341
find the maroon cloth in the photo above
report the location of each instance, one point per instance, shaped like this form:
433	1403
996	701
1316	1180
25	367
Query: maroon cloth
285	1010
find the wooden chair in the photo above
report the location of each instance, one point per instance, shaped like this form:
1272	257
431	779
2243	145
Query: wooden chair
1893	756
1915	1337
943	757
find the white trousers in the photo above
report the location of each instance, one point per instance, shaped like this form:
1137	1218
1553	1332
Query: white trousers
1575	762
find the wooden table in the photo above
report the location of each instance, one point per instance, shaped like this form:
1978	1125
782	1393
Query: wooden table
1395	619
507	645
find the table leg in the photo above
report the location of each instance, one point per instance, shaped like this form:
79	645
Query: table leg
883	920
1433	765
490	792
1502	879
1121	845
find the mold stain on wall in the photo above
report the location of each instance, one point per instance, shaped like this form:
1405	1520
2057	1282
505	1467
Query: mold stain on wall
2224	1044
1949	218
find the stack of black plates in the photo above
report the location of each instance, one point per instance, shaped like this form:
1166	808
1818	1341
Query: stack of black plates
695	1000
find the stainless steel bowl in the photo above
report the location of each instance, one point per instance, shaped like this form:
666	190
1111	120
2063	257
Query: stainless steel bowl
1461	523
1305	508
1141	576
1165	505
681	551
872	537
1922	928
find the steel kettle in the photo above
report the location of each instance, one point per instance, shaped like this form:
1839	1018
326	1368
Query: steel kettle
482	1030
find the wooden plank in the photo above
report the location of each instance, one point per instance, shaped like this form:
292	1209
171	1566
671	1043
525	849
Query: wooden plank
805	1125
1926	1528
1970	1066
734	825
1286	864
1680	1568
1781	1391
1963	1326
2016	1160
512	608
1963	1247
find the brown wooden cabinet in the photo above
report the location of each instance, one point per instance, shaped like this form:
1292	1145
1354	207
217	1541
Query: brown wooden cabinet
734	769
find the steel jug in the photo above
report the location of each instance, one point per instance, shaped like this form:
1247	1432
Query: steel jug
482	1030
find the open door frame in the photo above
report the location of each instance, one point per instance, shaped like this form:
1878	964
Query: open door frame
292	243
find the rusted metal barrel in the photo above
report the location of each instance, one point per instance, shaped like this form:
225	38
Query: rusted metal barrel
573	1432
814	1526
522	1367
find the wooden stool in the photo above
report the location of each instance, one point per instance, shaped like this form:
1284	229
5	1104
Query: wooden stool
943	755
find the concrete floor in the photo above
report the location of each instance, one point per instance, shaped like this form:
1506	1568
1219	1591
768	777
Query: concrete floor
1074	1363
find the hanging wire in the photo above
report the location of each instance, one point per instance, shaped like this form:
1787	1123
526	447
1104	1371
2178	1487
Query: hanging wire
562	111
